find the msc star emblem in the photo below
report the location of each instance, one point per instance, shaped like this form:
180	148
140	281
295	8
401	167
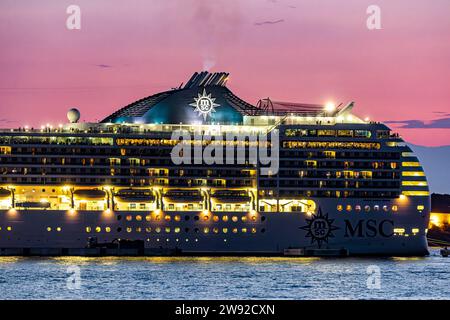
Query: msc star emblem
204	104
319	228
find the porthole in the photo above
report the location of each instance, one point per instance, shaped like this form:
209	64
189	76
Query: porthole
138	218
234	219
119	229
119	217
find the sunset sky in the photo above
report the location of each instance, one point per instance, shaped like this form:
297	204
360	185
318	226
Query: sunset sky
309	51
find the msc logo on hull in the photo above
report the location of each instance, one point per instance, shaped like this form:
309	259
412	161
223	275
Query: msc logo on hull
319	228
369	228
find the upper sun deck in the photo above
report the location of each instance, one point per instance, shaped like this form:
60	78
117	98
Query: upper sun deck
206	104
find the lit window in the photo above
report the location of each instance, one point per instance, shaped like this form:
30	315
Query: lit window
216	230
358	208
138	218
177	218
167	217
385	208
244	230
399	230
376	208
415	230
225	230
367	208
234	219
394	208
98	229
148	217
413	174
88	229
235	230
128	229
167	229
416	193
205	217
158	230
244	219
148	229
177	230
49	229
225	218
414	183
348	208
58	229
138	229
206	230
108	229
128	218
339	207
8	228
410	164
253	230
420	207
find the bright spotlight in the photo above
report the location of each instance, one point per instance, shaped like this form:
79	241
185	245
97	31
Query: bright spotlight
330	107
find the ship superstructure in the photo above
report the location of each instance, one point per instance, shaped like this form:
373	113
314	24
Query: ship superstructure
342	183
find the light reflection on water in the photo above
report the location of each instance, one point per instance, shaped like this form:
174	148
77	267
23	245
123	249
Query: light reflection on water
224	278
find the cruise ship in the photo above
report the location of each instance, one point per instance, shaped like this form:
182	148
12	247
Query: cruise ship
341	185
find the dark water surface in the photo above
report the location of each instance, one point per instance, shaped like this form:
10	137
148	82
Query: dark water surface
224	278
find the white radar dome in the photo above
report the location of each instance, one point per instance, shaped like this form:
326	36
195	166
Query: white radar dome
73	115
